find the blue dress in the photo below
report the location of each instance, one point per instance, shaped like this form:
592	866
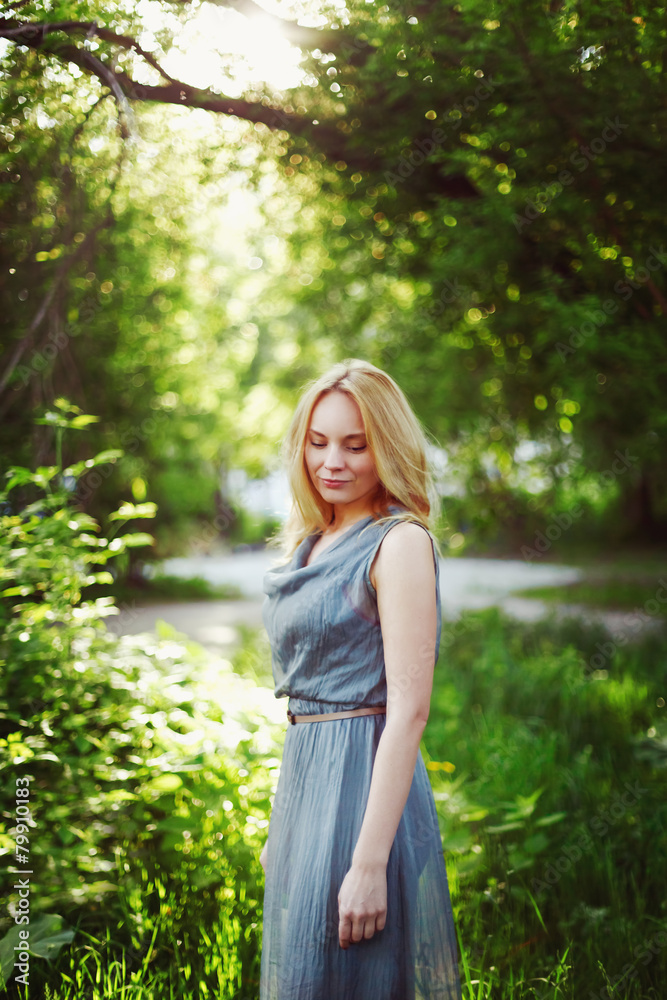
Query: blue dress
327	655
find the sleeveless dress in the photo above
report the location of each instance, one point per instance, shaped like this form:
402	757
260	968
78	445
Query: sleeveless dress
327	656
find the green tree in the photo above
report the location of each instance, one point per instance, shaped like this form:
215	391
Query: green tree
118	297
480	211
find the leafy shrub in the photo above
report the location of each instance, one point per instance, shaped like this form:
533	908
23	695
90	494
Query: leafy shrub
150	766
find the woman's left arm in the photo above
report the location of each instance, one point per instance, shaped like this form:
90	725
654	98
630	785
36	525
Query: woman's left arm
404	578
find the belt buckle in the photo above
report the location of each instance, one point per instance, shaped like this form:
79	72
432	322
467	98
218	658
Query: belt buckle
291	717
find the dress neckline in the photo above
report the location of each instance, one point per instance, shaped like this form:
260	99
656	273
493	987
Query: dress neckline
318	534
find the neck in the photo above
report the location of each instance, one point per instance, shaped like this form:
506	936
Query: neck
345	515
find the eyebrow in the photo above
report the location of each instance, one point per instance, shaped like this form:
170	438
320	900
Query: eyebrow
356	434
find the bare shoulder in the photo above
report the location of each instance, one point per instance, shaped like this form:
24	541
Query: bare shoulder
405	550
406	536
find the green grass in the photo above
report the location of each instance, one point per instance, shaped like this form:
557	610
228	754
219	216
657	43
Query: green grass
204	960
165	589
611	594
555	875
557	880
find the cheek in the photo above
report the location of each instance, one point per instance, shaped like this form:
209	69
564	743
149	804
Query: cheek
368	469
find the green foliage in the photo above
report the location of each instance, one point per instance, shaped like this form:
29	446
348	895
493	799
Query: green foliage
151	768
489	230
471	198
550	798
49	552
149	780
119	241
253	529
172	588
602	594
46	937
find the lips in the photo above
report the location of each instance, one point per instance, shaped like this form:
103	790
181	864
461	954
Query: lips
335	482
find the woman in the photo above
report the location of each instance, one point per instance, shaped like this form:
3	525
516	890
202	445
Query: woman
356	902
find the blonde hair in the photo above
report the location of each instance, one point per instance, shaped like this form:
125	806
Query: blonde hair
395	439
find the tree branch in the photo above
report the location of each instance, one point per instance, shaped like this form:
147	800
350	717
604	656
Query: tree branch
124	87
33	35
324	136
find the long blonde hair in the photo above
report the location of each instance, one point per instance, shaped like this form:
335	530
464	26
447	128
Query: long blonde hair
396	441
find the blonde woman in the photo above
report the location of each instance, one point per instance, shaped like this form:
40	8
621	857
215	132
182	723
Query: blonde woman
356	901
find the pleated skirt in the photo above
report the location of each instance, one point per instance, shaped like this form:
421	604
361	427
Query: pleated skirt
317	815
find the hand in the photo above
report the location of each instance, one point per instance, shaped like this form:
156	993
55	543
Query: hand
362	903
262	858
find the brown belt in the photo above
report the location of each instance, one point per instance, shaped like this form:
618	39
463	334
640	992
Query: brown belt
380	709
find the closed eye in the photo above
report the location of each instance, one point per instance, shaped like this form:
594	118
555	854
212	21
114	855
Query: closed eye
320	444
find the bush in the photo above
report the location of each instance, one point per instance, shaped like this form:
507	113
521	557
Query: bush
148	769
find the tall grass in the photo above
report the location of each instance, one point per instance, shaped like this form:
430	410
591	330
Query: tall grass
549	780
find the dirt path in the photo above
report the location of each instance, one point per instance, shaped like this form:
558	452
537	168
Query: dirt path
465	584
213	624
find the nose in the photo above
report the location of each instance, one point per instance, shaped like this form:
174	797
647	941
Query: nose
333	458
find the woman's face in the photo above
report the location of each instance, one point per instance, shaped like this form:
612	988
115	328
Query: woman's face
337	455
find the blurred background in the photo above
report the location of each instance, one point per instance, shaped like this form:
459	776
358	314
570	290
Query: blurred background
204	205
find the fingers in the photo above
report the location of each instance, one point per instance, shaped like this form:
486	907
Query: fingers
351	931
362	906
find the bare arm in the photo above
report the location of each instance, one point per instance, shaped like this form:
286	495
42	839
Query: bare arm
405	584
404	577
